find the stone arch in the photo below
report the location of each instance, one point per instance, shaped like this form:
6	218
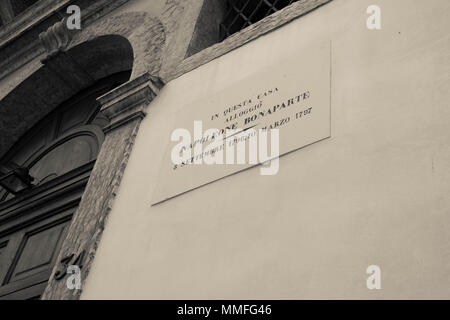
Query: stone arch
144	32
129	41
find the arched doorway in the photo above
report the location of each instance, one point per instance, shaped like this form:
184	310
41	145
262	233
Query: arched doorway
73	61
59	154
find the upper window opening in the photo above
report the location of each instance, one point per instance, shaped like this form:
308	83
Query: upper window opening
220	19
243	13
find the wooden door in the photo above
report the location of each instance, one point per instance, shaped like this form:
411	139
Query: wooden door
29	254
32	228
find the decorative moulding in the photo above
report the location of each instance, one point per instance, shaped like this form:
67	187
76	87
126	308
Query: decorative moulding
19	40
129	101
56	39
30	18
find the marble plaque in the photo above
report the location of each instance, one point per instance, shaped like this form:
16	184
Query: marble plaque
292	96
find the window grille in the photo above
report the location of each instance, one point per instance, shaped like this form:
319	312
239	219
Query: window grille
243	13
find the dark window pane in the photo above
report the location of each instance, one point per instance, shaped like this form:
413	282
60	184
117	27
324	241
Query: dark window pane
242	13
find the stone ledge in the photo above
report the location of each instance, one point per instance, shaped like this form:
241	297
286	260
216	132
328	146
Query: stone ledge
130	100
30	17
19	40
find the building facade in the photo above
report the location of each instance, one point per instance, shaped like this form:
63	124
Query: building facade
358	90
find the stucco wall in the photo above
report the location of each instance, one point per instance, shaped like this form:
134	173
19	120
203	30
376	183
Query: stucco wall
375	193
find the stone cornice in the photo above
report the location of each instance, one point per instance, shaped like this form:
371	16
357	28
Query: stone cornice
19	40
29	18
130	100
